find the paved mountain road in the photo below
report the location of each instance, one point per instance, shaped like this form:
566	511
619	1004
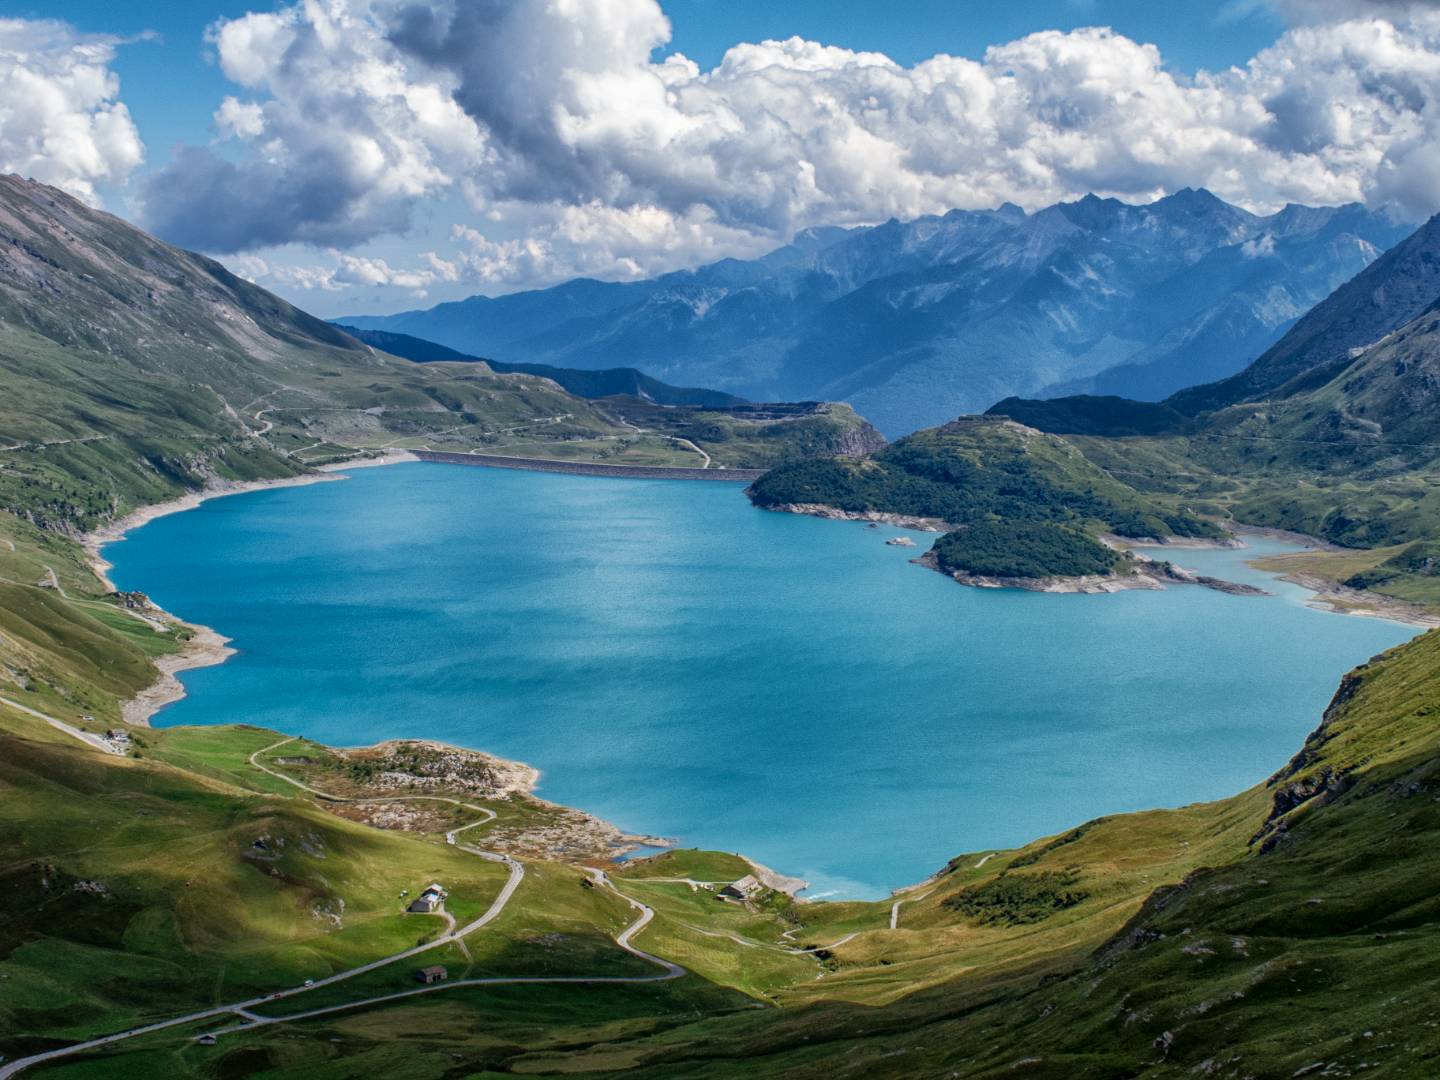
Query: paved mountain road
245	1009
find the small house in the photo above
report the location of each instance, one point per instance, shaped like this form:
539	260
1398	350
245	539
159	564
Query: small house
429	901
743	889
433	974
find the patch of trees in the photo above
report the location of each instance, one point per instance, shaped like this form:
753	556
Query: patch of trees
1023	549
1019	899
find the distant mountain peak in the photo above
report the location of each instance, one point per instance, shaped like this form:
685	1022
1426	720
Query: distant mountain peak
1189	196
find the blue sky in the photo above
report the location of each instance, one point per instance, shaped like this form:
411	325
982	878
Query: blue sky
369	155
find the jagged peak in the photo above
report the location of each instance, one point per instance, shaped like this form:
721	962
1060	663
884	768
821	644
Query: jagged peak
1190	196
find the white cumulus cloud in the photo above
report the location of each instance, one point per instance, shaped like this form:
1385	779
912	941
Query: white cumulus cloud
345	271
556	113
60	118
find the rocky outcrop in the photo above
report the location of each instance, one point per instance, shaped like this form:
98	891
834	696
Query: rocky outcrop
1292	789
900	521
1168	571
420	765
858	441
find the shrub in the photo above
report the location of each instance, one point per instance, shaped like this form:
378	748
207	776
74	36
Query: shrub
1022	549
1016	899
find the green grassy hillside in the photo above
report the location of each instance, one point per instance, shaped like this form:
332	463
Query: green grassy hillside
1292	927
135	890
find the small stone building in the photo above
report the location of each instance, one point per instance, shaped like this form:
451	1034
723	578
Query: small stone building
429	901
743	889
433	974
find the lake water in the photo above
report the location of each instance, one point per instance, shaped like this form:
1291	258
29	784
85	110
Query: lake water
683	664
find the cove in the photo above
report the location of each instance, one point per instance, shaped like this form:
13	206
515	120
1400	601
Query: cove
683	664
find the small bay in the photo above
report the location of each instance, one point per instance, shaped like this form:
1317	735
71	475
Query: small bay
681	663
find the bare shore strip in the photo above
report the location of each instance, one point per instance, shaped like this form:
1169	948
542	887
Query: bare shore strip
1340	599
876	517
205	647
1330	595
1148	573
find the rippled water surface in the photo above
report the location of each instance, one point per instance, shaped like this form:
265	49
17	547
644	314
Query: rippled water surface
681	663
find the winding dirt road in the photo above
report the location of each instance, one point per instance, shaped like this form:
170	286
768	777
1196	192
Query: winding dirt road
69	729
895	908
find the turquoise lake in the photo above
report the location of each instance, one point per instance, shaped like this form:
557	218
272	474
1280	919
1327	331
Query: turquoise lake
682	664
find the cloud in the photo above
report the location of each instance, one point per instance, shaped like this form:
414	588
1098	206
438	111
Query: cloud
555	244
345	271
617	243
555	114
60	122
1326	11
1258	248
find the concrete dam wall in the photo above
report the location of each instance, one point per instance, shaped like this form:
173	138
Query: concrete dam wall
591	468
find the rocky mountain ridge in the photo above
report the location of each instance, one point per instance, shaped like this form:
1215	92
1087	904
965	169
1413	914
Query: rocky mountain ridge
916	322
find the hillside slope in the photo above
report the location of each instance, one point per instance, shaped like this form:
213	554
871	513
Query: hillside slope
1304	943
916	322
601	383
135	371
1291	928
1386	295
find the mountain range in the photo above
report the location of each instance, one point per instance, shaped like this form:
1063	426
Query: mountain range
915	322
1383	297
1355	381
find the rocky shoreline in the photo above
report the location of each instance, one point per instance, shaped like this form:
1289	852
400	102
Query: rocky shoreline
204	647
1194	543
1144	574
1331	595
1340	599
115	531
831	513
